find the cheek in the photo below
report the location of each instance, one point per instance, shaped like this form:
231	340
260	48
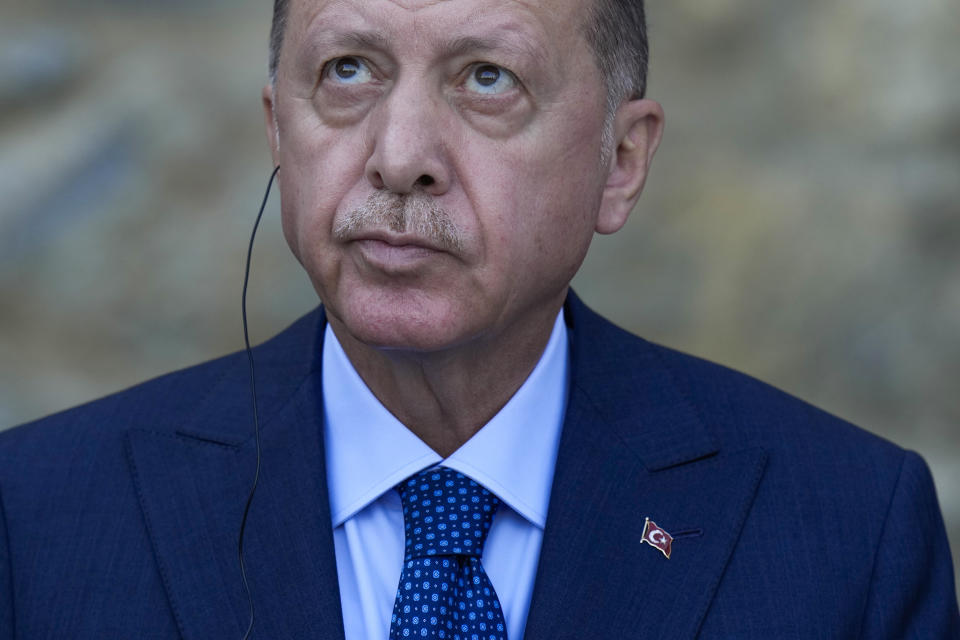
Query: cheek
318	169
552	188
561	192
289	226
536	222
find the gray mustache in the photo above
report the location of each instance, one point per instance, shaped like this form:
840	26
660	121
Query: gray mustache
415	213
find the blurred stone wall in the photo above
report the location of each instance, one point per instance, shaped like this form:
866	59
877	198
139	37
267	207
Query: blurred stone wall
801	222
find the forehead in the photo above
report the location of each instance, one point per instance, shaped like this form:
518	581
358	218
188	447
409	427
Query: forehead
544	27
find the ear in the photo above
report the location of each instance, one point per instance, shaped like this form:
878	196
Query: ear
637	129
270	119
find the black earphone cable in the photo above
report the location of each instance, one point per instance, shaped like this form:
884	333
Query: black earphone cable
253	394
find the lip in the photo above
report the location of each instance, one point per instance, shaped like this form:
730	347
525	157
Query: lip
395	253
399	240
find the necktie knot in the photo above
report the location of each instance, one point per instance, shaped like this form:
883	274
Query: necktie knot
445	513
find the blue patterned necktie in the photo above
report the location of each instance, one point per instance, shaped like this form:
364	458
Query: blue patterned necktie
444	591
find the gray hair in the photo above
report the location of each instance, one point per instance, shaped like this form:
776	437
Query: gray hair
277	29
616	30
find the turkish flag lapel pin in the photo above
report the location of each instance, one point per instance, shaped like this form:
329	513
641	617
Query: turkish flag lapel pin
657	537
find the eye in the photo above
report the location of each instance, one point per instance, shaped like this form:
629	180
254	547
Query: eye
490	79
348	70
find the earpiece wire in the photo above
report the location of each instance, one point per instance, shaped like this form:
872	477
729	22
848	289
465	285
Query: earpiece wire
253	394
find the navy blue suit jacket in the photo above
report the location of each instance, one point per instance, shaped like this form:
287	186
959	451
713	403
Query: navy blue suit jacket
119	519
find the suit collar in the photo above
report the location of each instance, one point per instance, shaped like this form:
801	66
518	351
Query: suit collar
192	478
283	364
634	447
625	381
670	432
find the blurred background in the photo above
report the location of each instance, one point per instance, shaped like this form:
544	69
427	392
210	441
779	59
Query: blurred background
801	222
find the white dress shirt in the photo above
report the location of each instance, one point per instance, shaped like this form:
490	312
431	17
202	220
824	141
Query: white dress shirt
368	452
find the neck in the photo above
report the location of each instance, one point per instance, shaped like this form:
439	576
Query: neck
446	396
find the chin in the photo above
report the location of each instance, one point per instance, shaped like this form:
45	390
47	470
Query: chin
404	321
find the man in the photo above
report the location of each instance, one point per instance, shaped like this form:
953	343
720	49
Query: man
453	445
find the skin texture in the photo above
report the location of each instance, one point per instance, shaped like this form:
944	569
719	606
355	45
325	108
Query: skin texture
441	179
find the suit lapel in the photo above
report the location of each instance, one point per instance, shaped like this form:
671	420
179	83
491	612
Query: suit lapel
192	482
634	448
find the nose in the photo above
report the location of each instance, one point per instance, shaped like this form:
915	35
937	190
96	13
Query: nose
408	148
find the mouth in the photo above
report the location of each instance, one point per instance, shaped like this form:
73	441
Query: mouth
395	253
399	241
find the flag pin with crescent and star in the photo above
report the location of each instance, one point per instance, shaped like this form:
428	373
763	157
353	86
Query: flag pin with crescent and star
657	537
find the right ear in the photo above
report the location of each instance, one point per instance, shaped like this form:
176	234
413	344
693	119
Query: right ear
270	119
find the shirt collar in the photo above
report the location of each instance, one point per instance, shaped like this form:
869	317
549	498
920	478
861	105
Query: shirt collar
369	451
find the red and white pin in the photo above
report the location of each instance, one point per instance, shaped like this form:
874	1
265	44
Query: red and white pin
657	537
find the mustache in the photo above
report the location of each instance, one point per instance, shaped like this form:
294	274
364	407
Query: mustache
416	213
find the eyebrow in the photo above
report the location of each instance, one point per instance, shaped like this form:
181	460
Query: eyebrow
351	39
361	40
469	44
457	47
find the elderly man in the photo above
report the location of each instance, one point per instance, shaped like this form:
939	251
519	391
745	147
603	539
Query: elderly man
453	446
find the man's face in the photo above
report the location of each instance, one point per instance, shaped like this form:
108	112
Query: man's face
440	162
